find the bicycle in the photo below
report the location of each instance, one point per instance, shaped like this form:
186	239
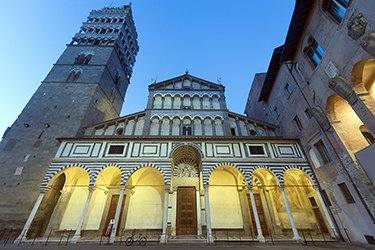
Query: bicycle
140	238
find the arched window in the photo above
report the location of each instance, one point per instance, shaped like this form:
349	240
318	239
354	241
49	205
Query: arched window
368	136
117	78
313	51
336	8
79	59
74	75
83	58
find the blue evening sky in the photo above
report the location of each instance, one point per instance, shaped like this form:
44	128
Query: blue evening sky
231	40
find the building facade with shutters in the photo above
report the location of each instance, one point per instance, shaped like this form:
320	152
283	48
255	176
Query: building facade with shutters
326	68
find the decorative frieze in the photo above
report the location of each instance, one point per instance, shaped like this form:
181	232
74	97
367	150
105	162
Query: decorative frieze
357	25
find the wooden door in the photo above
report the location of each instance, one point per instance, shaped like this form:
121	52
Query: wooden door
262	218
186	221
318	216
112	212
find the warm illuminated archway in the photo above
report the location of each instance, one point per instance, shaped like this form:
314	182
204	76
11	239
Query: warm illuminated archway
363	78
144	200
346	123
269	203
107	188
63	202
227	192
304	203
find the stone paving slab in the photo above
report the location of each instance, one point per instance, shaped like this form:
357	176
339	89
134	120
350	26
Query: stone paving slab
156	246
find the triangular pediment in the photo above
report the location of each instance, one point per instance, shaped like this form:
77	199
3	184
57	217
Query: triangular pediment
186	81
115	124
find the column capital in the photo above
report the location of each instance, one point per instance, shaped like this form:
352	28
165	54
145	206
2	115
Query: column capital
91	188
167	187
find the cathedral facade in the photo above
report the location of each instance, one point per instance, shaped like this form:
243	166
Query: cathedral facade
185	167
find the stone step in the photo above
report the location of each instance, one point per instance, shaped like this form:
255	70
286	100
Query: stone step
187	239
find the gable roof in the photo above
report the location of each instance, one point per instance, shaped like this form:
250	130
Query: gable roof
183	77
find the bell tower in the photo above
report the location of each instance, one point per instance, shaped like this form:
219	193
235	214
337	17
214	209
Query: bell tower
86	85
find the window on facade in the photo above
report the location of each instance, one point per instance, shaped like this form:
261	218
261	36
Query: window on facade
288	89
116	149
186	130
253	132
117	79
307	113
313	51
233	131
83	58
345	191
298	123
79	59
73	75
256	150
323	153
336	8
325	198
368	136
119	131
276	112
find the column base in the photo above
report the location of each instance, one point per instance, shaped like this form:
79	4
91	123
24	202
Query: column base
75	238
297	238
163	239
18	240
261	239
111	240
210	239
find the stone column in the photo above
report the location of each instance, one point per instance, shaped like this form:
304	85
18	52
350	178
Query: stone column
77	234
30	219
117	215
296	236
199	214
260	236
213	127
163	238
238	127
325	210
135	125
208	216
174	212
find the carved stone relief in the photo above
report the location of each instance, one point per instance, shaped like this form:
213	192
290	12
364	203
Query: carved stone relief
320	117
357	25
343	88
369	44
185	170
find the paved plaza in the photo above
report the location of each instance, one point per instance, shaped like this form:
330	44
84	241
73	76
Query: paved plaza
156	246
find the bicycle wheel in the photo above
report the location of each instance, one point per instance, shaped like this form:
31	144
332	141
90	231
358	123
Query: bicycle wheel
142	241
129	241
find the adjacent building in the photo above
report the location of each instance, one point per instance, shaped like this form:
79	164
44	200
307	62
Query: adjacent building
319	88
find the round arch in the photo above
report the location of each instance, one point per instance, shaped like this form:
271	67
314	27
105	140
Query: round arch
144	192
363	77
343	119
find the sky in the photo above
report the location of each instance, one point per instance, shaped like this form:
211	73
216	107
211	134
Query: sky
212	39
